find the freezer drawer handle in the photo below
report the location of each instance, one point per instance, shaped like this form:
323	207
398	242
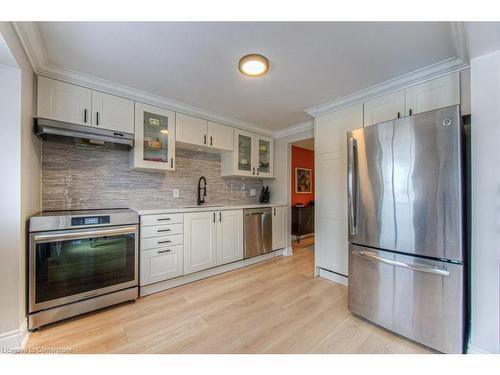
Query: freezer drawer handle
414	267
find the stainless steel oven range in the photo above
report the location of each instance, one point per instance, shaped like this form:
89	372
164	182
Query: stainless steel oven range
80	261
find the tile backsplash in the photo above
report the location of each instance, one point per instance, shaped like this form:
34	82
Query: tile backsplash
84	177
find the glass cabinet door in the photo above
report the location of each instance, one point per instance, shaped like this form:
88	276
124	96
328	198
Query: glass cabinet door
155	137
244	153
264	156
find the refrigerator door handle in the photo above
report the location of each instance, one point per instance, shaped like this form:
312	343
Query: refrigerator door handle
413	267
351	185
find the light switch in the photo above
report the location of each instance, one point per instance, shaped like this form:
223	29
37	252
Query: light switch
252	192
176	193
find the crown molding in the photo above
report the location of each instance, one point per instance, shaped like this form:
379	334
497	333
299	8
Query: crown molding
460	41
294	129
32	42
429	72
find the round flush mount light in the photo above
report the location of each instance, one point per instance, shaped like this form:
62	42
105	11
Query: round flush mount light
254	65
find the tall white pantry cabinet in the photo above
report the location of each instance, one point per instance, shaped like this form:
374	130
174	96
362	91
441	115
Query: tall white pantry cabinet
331	247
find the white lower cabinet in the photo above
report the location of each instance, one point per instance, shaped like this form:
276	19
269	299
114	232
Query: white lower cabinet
229	236
279	228
212	239
161	264
200	241
162	249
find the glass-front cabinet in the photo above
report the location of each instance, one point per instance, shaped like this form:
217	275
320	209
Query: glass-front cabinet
265	156
245	153
154	146
252	156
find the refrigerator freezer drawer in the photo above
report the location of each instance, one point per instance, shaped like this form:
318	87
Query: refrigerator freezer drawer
417	298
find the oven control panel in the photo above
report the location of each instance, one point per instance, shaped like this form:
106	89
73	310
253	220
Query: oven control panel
89	220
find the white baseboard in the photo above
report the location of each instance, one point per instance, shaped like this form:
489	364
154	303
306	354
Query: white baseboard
471	349
186	279
287	251
15	340
332	276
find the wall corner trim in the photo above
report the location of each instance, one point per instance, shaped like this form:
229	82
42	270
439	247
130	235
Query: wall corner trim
471	349
16	340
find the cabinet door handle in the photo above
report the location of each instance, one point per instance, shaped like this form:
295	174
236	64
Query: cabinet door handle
220	217
85	115
258	171
399	114
97	118
164	251
409	112
171	162
205	139
214	217
162	242
163	230
253	171
211	143
274	210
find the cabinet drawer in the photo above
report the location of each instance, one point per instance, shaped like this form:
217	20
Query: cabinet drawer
157	242
161	230
161	264
148	220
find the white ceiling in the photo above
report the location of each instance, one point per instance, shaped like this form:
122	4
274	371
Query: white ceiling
196	63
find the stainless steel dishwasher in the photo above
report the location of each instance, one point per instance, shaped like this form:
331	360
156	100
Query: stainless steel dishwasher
258	231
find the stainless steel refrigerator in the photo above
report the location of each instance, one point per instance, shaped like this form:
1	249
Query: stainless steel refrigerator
406	246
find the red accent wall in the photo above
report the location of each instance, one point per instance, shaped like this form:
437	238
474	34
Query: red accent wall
302	158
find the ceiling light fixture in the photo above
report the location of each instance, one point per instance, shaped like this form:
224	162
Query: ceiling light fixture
254	65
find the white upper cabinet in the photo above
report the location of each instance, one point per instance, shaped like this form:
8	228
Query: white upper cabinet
384	108
433	94
112	112
195	131
229	236
279	228
252	156
220	136
154	141
426	96
263	155
66	102
63	102
191	130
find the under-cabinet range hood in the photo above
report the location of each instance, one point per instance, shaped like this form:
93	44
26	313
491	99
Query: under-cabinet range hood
45	128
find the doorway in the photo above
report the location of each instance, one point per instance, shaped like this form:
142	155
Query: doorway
302	194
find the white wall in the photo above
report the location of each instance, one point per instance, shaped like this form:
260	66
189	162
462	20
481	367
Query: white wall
21	153
281	186
485	262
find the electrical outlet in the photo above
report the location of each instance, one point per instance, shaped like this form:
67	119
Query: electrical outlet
176	193
252	192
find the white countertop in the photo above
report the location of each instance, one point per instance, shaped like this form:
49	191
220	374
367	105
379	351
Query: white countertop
207	207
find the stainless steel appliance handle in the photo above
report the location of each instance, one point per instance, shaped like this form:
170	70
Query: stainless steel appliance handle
413	267
84	234
351	183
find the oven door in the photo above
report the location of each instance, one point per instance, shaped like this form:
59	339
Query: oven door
71	265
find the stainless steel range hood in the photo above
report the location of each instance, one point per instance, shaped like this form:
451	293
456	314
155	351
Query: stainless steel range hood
45	127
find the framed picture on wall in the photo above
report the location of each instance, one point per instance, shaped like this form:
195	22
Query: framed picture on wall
303	180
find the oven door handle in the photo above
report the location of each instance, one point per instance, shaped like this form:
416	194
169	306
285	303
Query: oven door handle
74	235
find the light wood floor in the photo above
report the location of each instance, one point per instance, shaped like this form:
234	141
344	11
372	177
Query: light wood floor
276	306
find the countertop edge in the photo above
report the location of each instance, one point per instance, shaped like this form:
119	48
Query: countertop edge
202	208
